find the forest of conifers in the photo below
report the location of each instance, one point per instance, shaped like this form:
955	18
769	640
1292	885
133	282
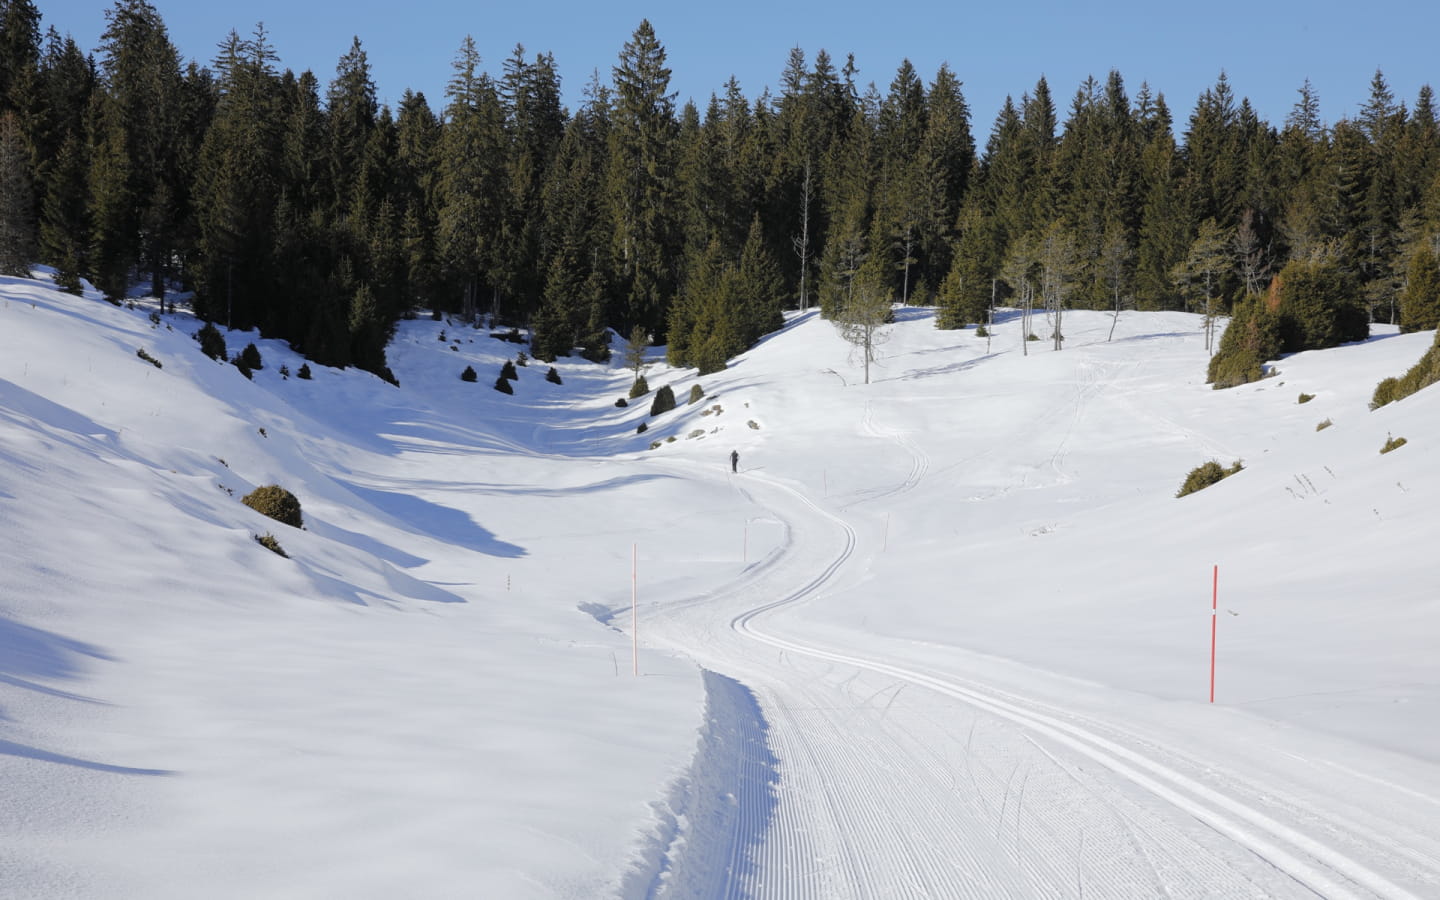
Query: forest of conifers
321	217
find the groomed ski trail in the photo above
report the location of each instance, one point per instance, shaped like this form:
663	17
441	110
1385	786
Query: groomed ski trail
899	780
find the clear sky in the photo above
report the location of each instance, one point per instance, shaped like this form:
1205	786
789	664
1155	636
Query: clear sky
996	48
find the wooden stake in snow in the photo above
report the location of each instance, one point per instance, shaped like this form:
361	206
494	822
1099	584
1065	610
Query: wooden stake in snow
634	616
1214	619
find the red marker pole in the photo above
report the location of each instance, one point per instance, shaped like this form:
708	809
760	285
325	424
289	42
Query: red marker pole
1214	618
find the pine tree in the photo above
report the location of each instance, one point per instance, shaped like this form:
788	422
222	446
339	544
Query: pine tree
470	182
19	50
1420	303
65	219
238	186
759	290
1319	306
138	170
641	178
1163	240
17	220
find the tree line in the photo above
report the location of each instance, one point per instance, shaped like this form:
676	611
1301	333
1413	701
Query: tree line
321	216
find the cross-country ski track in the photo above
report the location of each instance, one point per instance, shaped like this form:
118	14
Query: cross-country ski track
898	777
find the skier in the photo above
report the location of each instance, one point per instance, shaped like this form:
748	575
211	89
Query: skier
734	460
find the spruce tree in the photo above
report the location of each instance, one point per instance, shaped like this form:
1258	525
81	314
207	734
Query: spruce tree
137	168
642	145
1420	302
65	217
17	220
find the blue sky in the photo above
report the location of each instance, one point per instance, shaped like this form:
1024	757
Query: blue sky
1267	49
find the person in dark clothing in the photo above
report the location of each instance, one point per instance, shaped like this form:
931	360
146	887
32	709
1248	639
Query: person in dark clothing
734	460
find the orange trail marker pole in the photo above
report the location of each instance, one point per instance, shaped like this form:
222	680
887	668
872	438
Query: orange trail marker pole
1214	618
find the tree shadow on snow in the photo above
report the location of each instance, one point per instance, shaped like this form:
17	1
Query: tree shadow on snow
28	653
443	523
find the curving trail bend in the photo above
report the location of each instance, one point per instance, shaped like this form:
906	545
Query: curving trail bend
864	775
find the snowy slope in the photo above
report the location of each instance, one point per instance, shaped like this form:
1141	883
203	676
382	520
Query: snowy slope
946	634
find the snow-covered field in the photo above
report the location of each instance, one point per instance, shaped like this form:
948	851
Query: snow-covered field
944	635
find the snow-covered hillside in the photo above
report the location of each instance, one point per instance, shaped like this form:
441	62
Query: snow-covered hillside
947	634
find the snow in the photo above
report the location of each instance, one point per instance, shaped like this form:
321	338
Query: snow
943	635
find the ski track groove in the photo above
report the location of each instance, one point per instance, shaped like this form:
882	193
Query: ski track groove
1098	830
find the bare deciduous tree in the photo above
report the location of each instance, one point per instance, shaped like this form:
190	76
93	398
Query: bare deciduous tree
862	319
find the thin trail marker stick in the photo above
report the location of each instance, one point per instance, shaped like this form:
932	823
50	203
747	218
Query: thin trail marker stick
634	615
1214	619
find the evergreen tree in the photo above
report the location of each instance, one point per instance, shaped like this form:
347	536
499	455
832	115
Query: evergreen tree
1319	306
65	217
969	287
1162	240
1420	303
17	221
137	171
237	189
641	178
471	158
19	51
759	288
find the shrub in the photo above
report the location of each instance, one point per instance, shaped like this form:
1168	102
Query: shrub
754	425
148	358
981	332
284	371
1318	307
1387	391
274	501
1032	337
1252	337
655	445
1392	443
267	540
212	342
521	359
1305	398
641	428
1420	376
1203	476
304	373
640	388
1238	366
1324	425
502	384
553	376
250	356
664	401
508	371
469	374
696	392
239	363
622	403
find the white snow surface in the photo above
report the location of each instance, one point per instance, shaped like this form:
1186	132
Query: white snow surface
943	635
